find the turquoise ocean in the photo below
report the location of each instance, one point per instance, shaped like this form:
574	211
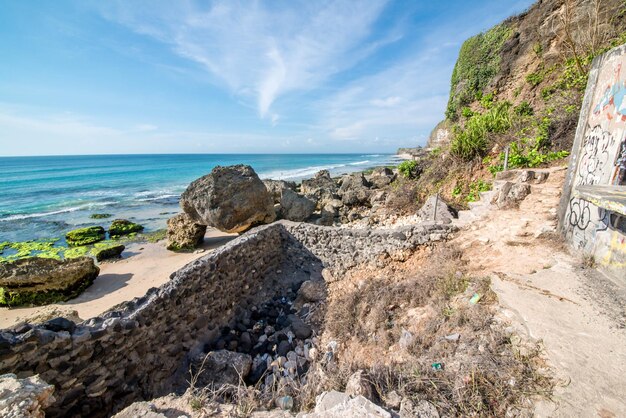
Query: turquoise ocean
44	197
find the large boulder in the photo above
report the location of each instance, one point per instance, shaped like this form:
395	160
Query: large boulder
511	194
354	190
436	209
183	233
39	281
276	187
335	404
107	251
295	207
231	199
320	188
381	177
24	398
221	367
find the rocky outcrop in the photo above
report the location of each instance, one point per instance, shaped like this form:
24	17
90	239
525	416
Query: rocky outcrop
276	187
320	188
354	190
381	177
108	252
436	209
85	236
335	404
295	207
121	227
231	199
183	233
39	281
511	194
24	398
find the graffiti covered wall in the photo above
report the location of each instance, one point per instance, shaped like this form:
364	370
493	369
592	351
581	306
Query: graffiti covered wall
599	159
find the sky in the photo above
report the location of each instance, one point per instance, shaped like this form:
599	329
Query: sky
274	76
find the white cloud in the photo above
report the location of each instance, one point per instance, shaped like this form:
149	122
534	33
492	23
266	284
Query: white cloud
256	49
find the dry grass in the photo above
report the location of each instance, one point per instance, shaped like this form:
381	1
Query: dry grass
484	373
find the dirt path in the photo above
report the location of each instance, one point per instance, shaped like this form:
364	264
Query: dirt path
143	266
547	295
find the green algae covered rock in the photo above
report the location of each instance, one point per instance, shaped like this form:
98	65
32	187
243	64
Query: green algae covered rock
100	215
40	281
106	250
121	227
85	236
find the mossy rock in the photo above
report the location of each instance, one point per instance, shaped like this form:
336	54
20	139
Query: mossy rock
100	215
106	251
121	227
40	281
85	236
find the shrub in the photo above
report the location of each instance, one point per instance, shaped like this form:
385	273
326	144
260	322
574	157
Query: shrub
471	141
408	168
475	188
524	109
534	79
467	112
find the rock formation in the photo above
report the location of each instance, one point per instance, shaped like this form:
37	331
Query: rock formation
85	236
276	187
40	281
121	227
231	199
354	190
442	213
381	177
320	188
24	398
183	233
295	207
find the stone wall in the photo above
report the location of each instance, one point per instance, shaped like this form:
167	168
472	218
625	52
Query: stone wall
590	215
142	349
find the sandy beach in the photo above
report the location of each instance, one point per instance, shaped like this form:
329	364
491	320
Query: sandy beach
143	265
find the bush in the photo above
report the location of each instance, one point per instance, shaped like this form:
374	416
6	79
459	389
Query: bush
408	168
467	112
471	141
524	109
534	79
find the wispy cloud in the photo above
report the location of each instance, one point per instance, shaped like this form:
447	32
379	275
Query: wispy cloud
257	49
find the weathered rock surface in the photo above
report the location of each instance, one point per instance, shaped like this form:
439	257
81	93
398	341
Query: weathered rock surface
221	367
511	194
381	177
276	187
85	236
330	212
359	384
24	398
40	281
443	213
423	409
140	410
121	227
295	207
335	404
354	190
231	199
313	290
183	233
320	188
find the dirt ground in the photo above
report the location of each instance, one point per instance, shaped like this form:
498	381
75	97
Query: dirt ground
143	265
578	313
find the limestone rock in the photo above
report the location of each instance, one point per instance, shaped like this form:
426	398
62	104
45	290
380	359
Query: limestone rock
221	367
511	194
330	212
320	188
184	233
359	384
443	214
231	199
276	187
381	177
335	404
108	251
423	409
140	410
354	190
121	227
24	398
39	281
313	290
295	207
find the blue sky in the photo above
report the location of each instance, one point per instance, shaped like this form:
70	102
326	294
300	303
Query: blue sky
102	77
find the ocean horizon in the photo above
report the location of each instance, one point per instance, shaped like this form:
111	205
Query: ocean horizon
45	196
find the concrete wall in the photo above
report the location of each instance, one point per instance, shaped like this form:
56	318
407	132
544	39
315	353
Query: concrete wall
142	349
599	158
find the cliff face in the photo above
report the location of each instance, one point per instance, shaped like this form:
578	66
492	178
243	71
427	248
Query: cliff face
538	59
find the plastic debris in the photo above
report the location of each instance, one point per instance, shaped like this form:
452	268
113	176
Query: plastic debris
475	298
437	366
453	337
